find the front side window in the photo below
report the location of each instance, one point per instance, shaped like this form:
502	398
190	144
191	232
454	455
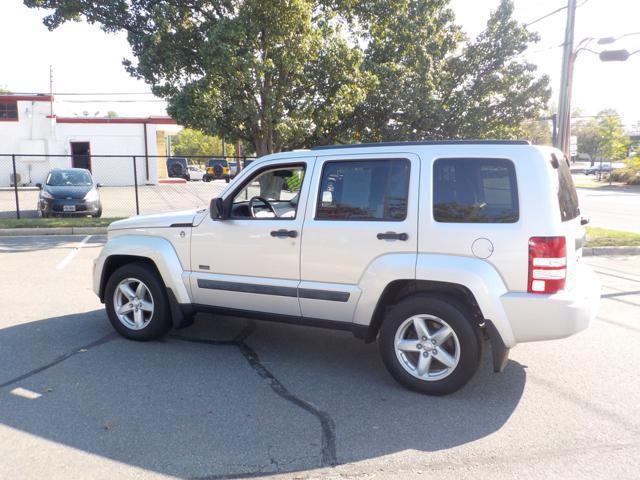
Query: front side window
475	190
272	193
364	190
8	110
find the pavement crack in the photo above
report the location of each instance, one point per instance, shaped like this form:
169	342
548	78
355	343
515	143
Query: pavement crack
327	425
60	359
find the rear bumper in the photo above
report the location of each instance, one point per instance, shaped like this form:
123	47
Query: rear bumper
536	317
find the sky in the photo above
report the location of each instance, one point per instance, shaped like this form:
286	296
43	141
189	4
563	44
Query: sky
87	60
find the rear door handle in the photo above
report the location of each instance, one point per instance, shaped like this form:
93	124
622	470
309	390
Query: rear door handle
284	233
392	236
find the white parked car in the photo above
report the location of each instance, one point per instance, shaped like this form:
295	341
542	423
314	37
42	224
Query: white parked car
195	174
427	247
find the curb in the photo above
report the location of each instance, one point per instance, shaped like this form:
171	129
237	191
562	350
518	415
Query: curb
594	251
17	232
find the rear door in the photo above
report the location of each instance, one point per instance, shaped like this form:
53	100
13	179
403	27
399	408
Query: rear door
360	208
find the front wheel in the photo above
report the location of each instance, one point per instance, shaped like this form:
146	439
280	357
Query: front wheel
136	302
430	344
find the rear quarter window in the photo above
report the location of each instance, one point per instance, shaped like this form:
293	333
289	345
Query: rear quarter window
567	195
475	190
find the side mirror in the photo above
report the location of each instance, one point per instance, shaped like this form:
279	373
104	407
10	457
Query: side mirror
98	185
217	210
39	185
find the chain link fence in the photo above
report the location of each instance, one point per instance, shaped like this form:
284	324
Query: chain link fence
126	184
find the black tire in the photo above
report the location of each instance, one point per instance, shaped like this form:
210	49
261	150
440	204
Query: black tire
98	214
227	179
160	322
206	178
459	319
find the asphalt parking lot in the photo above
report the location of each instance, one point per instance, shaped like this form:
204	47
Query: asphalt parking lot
228	398
121	201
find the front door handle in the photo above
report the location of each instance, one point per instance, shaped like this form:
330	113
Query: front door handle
392	236
284	233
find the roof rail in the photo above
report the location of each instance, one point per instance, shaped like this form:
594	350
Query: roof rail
425	142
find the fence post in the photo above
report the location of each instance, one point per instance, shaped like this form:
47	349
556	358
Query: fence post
135	183
15	186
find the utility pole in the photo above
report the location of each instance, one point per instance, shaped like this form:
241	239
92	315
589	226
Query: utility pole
564	102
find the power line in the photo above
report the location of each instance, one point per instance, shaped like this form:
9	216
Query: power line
111	101
88	94
545	16
557	10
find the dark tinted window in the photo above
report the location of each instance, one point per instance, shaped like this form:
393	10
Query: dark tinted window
8	110
364	190
215	161
467	190
58	178
567	196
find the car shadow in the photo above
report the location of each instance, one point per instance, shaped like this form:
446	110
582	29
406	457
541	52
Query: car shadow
231	397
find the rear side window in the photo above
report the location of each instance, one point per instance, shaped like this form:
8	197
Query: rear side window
567	196
475	190
364	190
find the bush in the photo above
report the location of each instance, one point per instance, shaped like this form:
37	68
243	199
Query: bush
630	174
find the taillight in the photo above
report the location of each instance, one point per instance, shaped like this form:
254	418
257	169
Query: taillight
547	264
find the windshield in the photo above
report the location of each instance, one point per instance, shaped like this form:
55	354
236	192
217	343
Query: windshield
69	178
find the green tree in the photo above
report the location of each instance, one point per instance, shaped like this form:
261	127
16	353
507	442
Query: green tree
538	132
282	74
613	140
4	90
193	143
602	136
112	114
433	82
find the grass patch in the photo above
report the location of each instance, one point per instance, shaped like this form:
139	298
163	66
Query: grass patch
603	237
56	222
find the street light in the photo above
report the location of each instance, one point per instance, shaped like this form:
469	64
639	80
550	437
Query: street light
569	58
616	55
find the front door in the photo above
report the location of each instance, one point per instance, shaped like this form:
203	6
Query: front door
251	261
81	155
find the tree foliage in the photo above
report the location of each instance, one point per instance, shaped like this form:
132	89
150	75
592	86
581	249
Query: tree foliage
282	74
193	143
603	136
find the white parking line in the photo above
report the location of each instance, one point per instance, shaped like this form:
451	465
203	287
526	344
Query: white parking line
72	253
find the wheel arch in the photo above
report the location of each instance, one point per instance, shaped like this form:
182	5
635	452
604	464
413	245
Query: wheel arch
113	262
398	290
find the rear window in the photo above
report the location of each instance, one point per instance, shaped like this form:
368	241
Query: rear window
567	196
213	163
475	190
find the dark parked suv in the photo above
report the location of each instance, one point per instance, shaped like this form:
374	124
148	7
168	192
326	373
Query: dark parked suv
177	168
69	192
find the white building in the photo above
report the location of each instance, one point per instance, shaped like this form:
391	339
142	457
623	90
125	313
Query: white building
30	131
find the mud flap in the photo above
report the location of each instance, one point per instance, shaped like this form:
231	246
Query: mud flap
499	351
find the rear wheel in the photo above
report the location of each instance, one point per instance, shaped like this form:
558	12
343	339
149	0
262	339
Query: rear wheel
136	302
430	344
